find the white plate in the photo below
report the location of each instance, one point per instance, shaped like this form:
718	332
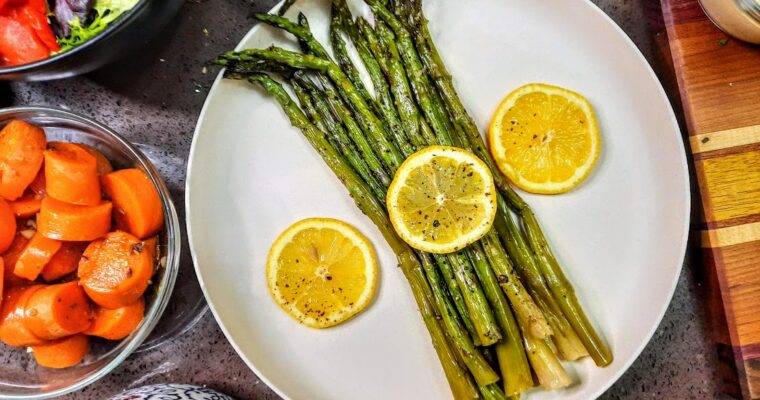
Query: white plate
621	236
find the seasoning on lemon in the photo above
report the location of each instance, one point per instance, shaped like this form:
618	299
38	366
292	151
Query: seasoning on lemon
322	271
442	199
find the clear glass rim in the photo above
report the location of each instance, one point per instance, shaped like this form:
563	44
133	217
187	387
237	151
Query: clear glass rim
165	286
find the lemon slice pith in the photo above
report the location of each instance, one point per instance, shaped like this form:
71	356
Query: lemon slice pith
322	271
545	138
442	199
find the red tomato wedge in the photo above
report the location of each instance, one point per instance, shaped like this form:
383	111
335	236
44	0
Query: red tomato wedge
19	44
34	16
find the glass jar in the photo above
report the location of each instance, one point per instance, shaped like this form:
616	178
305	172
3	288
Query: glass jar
738	18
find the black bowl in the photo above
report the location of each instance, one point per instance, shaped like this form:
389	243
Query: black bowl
127	34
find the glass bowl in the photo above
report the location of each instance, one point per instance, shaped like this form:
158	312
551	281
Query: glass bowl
20	376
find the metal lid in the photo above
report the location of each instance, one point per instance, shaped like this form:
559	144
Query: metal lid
750	7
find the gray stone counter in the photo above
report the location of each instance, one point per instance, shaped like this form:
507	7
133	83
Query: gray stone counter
155	97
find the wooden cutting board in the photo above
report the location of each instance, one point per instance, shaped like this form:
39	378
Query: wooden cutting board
719	83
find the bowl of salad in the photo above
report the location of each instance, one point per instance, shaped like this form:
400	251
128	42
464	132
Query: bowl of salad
53	39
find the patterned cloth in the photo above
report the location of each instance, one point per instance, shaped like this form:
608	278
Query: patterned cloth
171	391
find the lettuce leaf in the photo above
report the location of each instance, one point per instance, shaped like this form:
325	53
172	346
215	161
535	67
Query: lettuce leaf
106	11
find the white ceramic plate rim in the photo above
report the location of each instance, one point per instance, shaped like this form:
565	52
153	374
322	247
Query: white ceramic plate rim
683	241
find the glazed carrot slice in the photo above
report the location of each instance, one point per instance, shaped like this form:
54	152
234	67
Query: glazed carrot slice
58	311
137	205
26	206
13	330
118	323
21	153
2	276
37	253
64	262
71	174
104	166
62	353
10	257
7	225
115	270
151	246
73	223
38	184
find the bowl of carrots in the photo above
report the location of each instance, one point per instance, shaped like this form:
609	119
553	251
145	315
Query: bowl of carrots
89	250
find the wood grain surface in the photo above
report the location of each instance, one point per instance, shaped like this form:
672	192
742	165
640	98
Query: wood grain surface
719	84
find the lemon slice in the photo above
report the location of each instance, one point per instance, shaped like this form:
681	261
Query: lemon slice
442	199
322	271
545	138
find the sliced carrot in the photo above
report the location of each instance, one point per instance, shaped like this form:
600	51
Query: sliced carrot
27	206
62	353
10	257
137	205
7	225
38	184
115	270
151	246
118	323
71	174
104	166
64	262
37	253
13	330
73	223
58	311
2	280
21	153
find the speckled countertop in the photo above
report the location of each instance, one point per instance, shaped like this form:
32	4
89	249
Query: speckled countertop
155	97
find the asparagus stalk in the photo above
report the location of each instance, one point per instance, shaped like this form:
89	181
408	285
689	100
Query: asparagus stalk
527	306
478	309
549	371
492	392
478	366
458	378
300	31
383	47
549	266
340	109
318	109
510	352
488	331
370	124
567	341
527	311
285	7
456	295
344	23
477	305
418	79
483	374
340	49
564	293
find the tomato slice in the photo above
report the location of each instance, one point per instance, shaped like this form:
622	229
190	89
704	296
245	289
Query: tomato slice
19	43
39	6
11	3
30	15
